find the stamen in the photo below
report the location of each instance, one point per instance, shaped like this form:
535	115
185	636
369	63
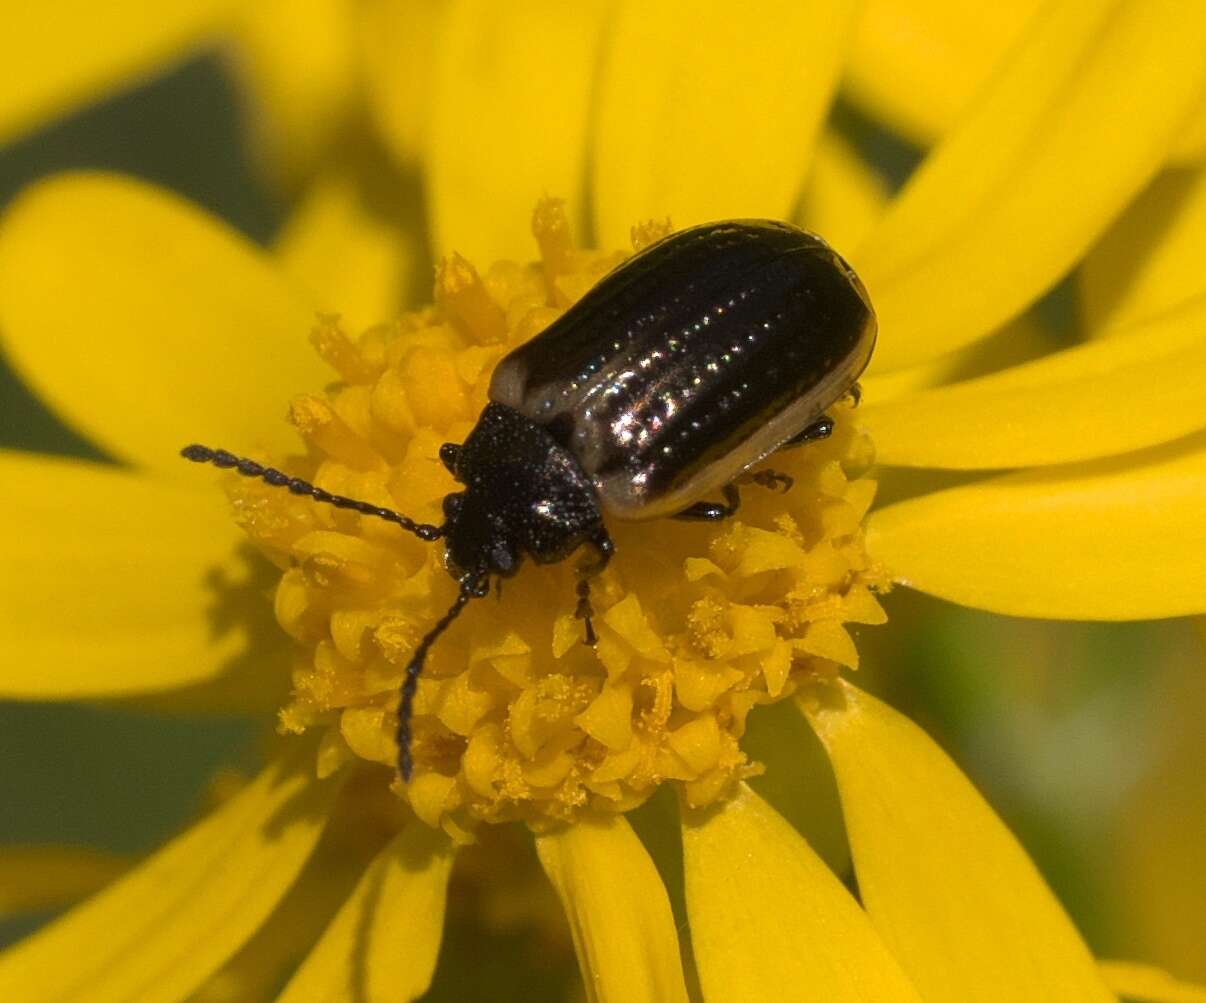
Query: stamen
511	716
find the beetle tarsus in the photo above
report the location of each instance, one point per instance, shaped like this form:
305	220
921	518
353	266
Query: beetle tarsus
604	548
772	480
584	611
820	429
706	511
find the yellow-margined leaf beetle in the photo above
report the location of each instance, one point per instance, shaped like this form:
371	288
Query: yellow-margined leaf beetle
678	371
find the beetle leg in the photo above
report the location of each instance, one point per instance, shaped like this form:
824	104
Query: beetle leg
604	548
820	429
705	511
584	611
855	393
773	480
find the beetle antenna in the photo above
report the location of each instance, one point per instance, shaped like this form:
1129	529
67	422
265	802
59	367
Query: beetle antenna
279	479
472	587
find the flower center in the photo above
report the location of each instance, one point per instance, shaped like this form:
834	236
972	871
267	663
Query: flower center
516	717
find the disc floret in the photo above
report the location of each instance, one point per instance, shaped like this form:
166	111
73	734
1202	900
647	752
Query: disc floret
514	716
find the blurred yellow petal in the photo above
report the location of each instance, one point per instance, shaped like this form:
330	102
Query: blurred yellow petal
618	912
1148	984
917	64
351	260
843	197
769	921
111	581
383	942
297	66
59	56
399	43
509	123
268	959
1108	397
1031	177
953	894
1190	147
158	933
46	877
709	111
1021	340
1116	539
147	324
1150	260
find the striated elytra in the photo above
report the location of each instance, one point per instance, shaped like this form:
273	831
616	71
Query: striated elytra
678	371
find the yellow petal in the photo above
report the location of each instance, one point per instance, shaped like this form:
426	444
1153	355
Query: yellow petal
296	63
618	912
769	921
1116	539
917	64
798	782
61	55
266	961
509	123
1190	147
843	197
948	887
147	324
1021	340
1079	118
399	42
1149	261
709	111
158	933
111	581
383	942
1108	397
1148	984
47	877
351	260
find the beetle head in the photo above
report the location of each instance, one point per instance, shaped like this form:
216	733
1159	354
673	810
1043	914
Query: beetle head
525	496
479	541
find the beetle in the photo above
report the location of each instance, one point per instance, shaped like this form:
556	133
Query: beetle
677	372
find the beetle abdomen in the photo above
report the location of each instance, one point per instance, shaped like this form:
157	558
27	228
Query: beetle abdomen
693	360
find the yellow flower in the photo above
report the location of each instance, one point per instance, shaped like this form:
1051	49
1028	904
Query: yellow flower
147	325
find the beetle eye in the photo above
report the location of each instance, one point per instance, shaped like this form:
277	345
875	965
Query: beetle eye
449	452
452	506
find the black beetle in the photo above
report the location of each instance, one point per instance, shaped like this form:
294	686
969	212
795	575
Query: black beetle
678	371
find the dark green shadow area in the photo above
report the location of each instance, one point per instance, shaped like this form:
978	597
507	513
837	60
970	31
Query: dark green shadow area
181	130
110	778
502	968
27	424
892	157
